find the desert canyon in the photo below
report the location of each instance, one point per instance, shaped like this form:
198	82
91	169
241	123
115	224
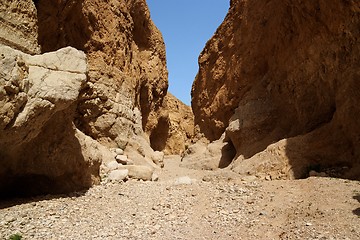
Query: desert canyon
93	146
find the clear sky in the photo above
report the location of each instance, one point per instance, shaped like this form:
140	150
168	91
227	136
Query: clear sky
186	26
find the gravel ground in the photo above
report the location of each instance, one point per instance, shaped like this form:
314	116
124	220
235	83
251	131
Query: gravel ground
189	204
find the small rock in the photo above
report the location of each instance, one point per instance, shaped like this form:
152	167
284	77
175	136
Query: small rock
206	179
268	178
308	224
183	180
158	158
119	151
140	172
122	159
112	165
155	177
262	213
118	175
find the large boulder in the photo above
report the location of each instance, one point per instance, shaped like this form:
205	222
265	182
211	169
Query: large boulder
284	70
40	148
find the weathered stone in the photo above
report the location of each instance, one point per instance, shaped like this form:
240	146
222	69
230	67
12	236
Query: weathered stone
139	172
112	165
43	106
118	175
127	68
174	130
158	158
18	25
122	159
119	151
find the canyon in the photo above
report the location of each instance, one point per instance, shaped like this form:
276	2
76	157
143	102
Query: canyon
86	120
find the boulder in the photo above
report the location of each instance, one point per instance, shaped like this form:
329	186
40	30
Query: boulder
40	148
118	175
140	172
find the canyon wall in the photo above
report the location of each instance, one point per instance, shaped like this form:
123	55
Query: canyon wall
127	65
281	79
62	111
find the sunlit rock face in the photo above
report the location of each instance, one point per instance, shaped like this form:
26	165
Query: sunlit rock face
284	70
127	66
57	107
40	149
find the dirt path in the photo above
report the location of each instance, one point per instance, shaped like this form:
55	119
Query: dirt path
212	205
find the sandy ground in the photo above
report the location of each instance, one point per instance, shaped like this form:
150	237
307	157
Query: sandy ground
190	204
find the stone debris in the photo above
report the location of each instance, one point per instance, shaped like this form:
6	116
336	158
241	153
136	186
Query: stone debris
140	172
220	209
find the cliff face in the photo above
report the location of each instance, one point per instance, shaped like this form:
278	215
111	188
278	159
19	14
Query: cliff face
40	149
18	24
175	130
283	70
126	58
57	107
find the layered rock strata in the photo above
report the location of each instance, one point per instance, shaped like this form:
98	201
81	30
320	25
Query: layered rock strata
284	70
18	24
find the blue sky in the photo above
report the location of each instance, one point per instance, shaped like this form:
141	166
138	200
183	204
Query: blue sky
186	26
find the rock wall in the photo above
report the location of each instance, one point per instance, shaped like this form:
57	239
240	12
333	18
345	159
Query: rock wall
126	57
18	24
284	70
40	149
56	109
175	129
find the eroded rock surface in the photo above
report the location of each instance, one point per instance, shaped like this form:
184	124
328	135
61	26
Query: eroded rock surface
40	148
284	70
174	130
126	57
18	24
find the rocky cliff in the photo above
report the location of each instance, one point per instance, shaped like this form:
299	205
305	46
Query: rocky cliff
62	111
175	129
127	66
18	24
40	148
284	70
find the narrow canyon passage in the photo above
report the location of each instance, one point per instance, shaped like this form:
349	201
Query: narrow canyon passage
93	145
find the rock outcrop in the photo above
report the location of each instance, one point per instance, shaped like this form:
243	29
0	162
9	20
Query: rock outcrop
18	24
60	116
175	128
40	148
127	65
284	70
